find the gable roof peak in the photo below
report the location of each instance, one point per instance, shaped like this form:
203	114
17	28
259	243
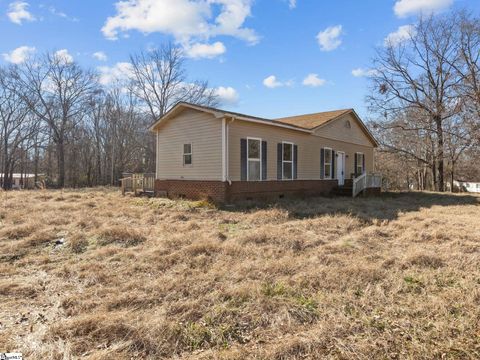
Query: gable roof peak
314	120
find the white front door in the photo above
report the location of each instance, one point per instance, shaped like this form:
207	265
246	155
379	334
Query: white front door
341	168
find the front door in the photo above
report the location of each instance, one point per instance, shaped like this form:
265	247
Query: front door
341	168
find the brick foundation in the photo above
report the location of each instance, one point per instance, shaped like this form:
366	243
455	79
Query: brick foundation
192	189
222	192
243	190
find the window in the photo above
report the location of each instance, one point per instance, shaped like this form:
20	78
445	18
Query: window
254	156
187	154
287	161
359	159
327	165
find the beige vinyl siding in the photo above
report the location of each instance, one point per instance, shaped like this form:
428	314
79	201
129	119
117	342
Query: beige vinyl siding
308	149
204	132
338	131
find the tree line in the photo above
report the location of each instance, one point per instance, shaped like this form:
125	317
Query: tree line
59	121
425	94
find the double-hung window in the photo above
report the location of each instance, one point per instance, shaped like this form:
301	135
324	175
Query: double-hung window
327	165
187	154
254	159
287	161
359	161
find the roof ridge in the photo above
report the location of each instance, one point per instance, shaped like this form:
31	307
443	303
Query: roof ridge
315	113
238	114
259	117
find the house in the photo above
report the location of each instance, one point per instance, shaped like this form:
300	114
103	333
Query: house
204	152
21	181
467	186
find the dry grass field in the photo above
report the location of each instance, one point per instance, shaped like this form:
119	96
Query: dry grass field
393	277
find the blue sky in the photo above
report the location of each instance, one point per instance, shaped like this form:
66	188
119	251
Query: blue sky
269	58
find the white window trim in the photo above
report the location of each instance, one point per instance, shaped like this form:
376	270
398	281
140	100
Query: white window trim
286	161
259	159
337	155
325	163
361	163
190	153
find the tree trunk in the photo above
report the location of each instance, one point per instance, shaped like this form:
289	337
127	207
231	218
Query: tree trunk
35	164
7	184
61	163
440	155
452	178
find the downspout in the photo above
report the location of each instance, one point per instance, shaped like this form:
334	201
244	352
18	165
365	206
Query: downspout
228	151
224	149
156	155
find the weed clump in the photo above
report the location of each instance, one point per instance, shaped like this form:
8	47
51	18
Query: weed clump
120	235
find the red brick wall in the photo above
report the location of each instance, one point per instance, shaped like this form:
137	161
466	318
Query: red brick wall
240	190
218	191
192	189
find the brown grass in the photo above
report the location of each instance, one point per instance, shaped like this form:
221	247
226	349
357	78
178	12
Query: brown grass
391	277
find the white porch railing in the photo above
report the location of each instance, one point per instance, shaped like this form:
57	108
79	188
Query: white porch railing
366	181
138	183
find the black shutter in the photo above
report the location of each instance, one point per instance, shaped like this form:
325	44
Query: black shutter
322	163
279	161
295	161
363	164
264	160
243	159
355	165
334	160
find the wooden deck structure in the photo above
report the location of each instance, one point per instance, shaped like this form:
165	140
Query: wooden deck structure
139	184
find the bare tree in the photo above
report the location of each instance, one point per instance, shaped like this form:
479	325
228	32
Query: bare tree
458	139
57	92
16	124
417	77
468	65
159	80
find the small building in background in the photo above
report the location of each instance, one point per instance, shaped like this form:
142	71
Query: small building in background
23	181
467	186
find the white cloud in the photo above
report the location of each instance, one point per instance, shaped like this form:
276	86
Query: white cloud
272	82
314	81
185	20
404	8
292	4
208	51
402	34
18	12
360	72
119	72
19	55
59	13
329	39
227	95
100	56
64	55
